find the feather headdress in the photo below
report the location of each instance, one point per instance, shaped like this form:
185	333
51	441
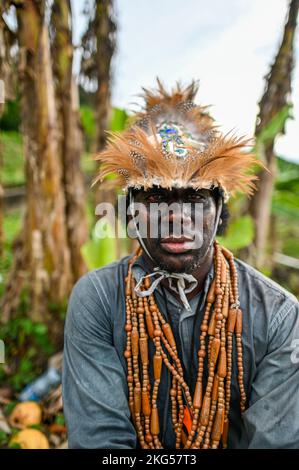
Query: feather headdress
173	142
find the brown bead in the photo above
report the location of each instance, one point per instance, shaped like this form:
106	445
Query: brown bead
239	321
215	350
143	342
130	378
205	411
222	364
201	353
148	438
128	327
149	325
173	392
140	310
157	366
127	354
153	308
218	425
146	407
197	399
212	324
231	322
215	388
169	335
157	332
225	433
223	271
228	254
135	342
211	293
137	400
155	428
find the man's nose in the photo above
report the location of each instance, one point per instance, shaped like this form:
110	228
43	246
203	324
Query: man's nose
180	214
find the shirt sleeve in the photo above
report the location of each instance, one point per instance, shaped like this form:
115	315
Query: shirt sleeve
94	383
272	419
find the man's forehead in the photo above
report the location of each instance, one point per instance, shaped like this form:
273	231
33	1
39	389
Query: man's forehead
173	191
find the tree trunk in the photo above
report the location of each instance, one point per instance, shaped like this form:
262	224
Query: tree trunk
42	257
104	30
275	98
70	134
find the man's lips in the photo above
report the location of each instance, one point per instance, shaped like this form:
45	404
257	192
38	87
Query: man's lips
177	245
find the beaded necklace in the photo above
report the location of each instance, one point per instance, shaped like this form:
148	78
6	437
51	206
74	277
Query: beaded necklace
207	411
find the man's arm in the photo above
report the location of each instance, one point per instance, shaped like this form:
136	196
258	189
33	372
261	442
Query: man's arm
272	419
94	380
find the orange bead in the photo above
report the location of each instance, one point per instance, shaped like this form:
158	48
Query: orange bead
146	407
211	293
137	400
239	321
218	425
135	341
205	411
155	428
222	364
215	350
231	322
215	388
197	399
143	342
169	335
157	366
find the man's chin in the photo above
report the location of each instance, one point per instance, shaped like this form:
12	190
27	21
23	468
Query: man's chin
176	262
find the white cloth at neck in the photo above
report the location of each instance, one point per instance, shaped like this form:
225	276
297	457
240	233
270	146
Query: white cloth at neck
180	289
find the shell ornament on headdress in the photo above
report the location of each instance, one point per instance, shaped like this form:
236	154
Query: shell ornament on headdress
174	143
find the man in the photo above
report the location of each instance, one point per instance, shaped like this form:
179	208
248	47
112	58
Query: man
180	345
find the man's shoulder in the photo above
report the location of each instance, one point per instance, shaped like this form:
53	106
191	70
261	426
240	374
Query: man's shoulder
93	295
264	296
261	282
109	274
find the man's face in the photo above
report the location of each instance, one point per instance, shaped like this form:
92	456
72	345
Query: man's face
173	252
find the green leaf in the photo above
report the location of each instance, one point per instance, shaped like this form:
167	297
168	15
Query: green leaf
118	120
275	126
239	233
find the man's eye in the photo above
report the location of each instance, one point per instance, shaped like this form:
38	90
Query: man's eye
196	198
154	198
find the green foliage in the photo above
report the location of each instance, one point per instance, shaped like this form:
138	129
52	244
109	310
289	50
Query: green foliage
239	234
11	117
59	419
98	252
275	126
12	150
118	120
27	346
88	124
4	438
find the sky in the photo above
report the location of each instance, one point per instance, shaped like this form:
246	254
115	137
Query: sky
227	45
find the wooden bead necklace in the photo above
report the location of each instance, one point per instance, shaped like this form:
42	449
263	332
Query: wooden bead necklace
208	410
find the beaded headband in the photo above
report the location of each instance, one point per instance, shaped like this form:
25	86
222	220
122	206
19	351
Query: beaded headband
173	142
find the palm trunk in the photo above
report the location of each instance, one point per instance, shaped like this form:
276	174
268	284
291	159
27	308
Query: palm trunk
70	135
42	257
275	98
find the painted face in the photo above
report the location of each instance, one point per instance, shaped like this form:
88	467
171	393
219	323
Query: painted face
174	251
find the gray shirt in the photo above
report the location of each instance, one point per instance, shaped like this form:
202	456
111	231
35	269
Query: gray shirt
95	393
